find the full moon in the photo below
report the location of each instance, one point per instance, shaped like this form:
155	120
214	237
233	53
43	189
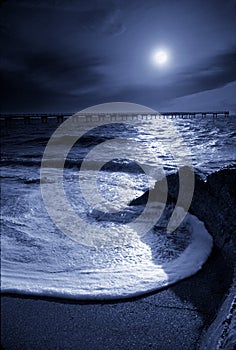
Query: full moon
160	57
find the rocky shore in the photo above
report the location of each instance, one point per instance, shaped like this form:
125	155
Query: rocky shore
214	202
218	194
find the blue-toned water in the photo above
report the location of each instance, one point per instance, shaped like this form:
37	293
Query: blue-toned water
38	258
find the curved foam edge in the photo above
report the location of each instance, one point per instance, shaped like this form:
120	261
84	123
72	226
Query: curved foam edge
108	284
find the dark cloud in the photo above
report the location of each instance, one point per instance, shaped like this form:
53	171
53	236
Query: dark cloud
106	20
216	72
75	53
46	78
57	70
104	17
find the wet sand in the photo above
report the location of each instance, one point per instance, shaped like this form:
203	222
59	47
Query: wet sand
170	319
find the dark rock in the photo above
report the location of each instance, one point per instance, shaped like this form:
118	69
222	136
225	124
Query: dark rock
214	202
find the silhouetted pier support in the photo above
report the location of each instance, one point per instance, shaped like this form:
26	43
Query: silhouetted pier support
44	119
214	114
60	118
26	119
109	117
8	121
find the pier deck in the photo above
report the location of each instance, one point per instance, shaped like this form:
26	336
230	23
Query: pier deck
43	117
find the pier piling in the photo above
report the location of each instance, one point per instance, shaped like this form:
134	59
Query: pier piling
8	118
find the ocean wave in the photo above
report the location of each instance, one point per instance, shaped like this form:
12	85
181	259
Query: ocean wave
147	264
124	279
34	249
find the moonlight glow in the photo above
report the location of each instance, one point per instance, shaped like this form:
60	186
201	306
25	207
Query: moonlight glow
160	57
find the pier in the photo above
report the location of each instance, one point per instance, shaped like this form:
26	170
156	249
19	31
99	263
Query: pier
28	117
60	117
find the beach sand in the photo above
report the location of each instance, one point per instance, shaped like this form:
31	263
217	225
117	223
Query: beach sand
170	319
178	317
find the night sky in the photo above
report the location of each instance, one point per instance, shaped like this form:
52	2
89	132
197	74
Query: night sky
66	55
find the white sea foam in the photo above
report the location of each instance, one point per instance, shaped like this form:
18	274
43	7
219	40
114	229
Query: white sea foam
37	259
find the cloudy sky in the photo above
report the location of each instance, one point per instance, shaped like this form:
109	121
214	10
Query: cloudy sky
66	55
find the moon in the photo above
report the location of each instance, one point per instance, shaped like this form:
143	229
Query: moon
160	57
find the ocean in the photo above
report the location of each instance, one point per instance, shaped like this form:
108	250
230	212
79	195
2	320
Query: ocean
108	258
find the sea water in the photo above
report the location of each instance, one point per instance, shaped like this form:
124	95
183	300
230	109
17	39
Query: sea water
40	259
